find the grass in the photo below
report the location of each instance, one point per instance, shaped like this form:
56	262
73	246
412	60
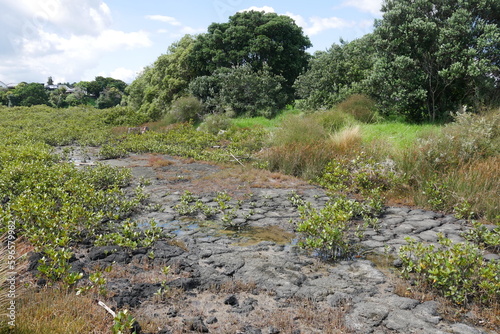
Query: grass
266	123
397	135
60	312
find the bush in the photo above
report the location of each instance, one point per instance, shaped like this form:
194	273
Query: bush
215	122
458	166
459	271
185	109
242	90
298	130
360	106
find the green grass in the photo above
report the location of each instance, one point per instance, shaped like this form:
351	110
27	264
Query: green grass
250	122
398	135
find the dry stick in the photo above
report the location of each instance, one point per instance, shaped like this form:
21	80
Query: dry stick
236	159
107	308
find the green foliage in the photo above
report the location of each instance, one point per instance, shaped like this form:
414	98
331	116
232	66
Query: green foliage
361	175
241	90
455	169
214	123
435	56
184	140
298	129
257	39
335	74
457	270
185	109
28	95
123	323
327	230
360	106
109	97
166	80
128	234
486	237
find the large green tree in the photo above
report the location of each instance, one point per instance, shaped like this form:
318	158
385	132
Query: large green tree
29	94
256	39
435	55
337	73
158	85
240	90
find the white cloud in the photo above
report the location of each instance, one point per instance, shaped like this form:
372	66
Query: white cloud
320	24
266	9
181	29
162	18
313	25
370	6
60	38
122	73
316	25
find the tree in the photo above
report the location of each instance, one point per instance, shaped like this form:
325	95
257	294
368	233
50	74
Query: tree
256	39
241	90
57	98
435	55
50	82
110	97
337	73
29	94
166	80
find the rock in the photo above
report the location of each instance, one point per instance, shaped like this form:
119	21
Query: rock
231	300
365	316
196	325
212	320
338	298
102	252
405	321
464	329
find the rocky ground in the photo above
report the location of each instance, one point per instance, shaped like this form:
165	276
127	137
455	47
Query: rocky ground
255	279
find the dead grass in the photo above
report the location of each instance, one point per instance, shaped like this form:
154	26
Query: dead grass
344	141
57	311
156	161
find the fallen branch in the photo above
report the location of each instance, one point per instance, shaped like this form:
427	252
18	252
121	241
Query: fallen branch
236	159
106	307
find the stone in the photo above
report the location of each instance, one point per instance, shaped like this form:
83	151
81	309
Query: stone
366	315
231	300
338	298
196	325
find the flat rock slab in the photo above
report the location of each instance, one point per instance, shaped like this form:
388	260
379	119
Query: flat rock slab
208	262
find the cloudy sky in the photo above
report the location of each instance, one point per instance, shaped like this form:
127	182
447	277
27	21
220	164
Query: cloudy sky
74	40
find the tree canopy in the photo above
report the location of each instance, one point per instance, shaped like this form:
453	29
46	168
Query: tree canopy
434	55
167	79
256	39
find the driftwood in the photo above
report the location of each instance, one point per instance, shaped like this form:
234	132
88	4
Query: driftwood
106	307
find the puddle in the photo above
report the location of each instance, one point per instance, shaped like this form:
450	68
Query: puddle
251	235
246	236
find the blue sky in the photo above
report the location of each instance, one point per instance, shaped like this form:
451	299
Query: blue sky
74	40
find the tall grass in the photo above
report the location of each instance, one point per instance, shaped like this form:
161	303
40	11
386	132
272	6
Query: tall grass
457	167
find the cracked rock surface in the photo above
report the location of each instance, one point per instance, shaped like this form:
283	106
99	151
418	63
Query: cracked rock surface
255	279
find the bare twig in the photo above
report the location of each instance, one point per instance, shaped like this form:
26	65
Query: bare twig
110	311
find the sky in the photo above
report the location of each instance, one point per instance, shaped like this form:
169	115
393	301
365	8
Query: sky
75	40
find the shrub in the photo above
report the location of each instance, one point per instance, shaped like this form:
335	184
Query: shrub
360	106
213	123
328	230
457	167
459	271
298	130
186	109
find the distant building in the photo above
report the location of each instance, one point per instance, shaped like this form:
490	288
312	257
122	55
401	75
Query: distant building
54	87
